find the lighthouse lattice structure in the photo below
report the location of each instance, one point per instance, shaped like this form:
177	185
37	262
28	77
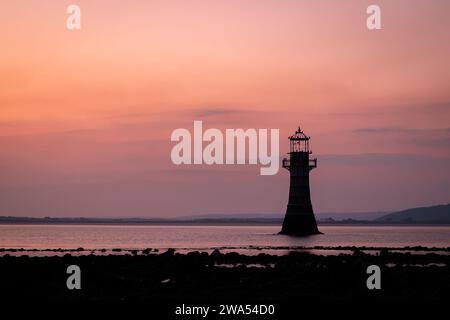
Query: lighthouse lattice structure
299	219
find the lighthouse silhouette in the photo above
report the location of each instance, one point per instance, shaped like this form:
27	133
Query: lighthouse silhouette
299	219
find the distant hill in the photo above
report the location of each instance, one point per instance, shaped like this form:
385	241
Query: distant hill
434	214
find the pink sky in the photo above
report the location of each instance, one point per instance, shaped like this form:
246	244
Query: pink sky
86	116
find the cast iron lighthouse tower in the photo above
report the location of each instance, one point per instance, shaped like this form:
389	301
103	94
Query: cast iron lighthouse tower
299	219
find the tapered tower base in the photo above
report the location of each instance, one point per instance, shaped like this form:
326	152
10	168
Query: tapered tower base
299	225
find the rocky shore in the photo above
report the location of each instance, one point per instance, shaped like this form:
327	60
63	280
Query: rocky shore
216	277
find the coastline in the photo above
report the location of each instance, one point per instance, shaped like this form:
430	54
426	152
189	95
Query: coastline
320	250
208	222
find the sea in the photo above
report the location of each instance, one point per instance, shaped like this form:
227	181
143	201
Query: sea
48	239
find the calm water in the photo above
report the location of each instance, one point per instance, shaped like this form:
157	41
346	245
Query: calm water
207	237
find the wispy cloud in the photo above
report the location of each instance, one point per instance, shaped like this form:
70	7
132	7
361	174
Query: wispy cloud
438	138
214	112
389	130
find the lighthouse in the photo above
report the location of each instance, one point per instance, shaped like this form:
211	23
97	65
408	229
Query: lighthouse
299	219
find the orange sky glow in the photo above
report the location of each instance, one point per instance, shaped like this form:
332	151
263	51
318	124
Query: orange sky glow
86	115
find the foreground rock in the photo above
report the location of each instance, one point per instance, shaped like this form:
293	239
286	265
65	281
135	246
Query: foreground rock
220	277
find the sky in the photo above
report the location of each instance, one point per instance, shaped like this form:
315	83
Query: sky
86	115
